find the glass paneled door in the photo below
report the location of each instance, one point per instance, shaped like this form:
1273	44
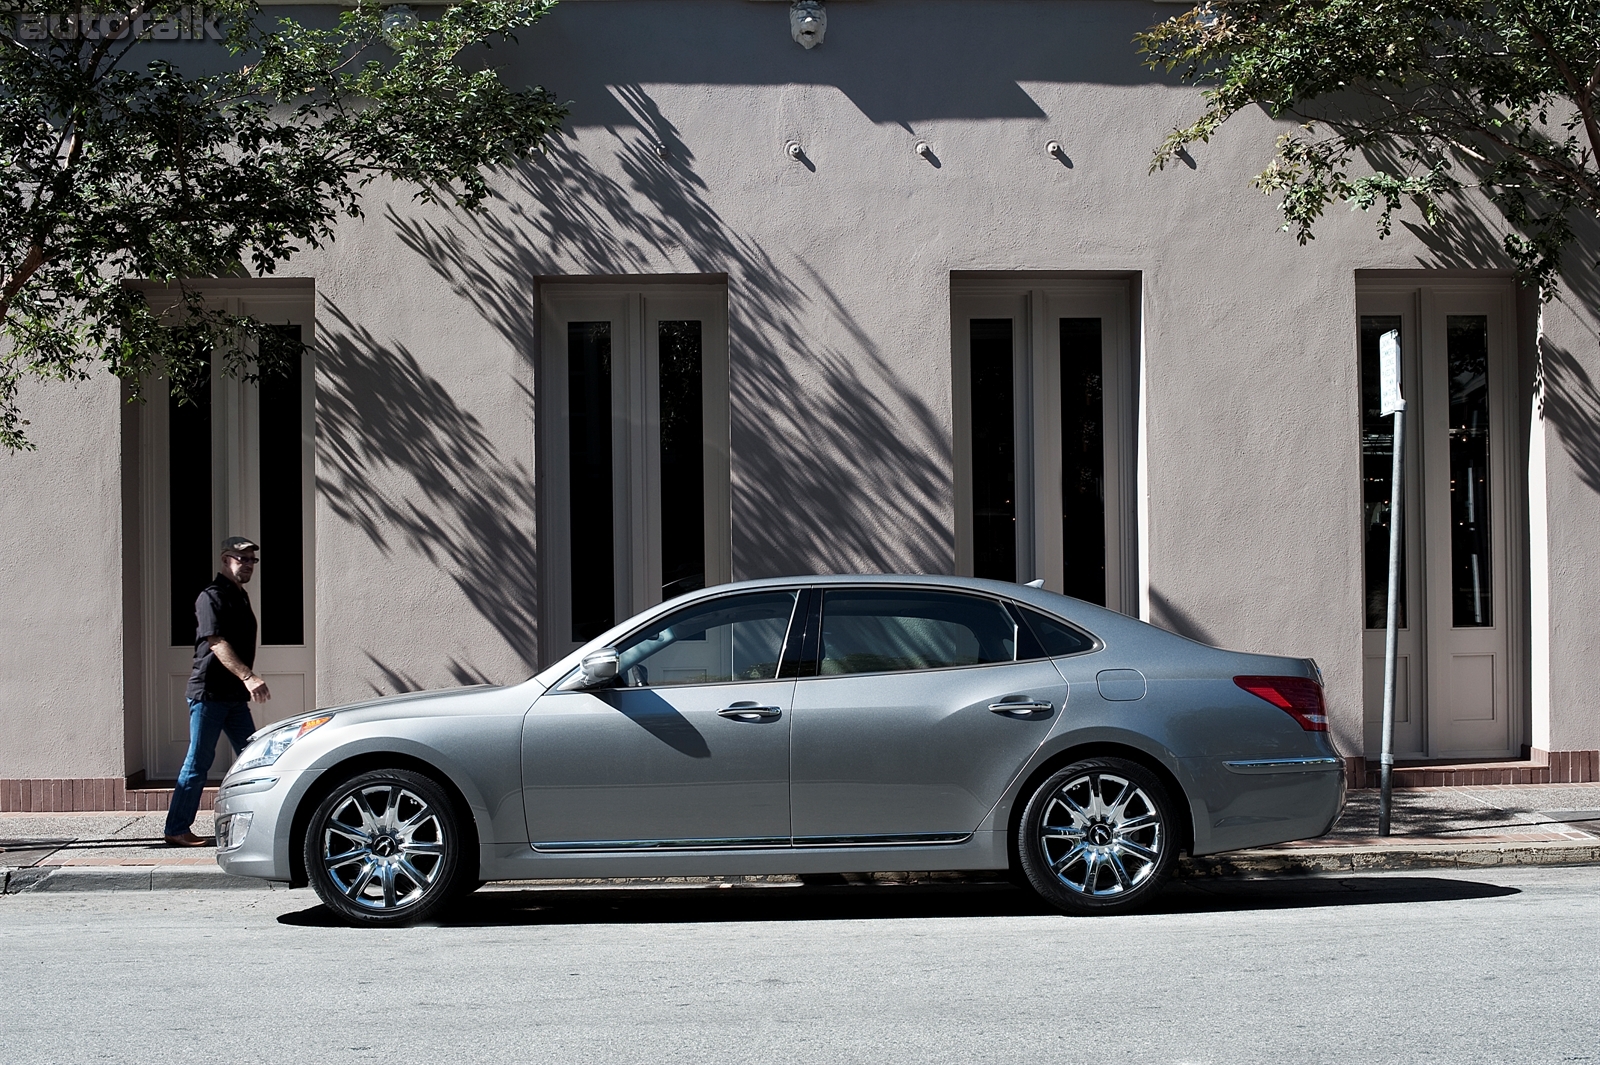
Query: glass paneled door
1457	663
1044	397
634	416
237	461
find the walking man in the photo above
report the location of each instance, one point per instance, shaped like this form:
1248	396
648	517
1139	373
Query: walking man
222	686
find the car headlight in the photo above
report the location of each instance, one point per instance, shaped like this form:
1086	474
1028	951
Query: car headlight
266	749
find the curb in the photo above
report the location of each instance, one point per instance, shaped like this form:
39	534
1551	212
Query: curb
1301	861
1386	859
124	878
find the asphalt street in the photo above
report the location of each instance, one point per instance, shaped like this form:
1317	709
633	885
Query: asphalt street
1495	966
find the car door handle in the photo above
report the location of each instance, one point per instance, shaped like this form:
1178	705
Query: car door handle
1022	708
750	712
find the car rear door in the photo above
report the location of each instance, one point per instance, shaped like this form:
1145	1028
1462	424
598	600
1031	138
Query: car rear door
915	717
691	748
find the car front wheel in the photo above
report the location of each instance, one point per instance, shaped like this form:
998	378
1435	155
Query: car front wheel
384	848
1098	836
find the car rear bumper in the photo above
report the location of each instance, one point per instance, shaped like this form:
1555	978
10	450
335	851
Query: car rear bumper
1258	803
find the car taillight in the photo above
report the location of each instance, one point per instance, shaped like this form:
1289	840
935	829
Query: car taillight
1299	697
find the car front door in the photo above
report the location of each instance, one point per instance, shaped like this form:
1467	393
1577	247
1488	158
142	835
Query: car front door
918	716
690	747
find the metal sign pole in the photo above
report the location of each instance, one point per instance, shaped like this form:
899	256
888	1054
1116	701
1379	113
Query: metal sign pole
1392	403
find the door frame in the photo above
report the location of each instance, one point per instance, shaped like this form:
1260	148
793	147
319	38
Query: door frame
1033	304
635	441
1423	303
235	503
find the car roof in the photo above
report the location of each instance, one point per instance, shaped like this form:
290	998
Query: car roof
1077	610
1096	619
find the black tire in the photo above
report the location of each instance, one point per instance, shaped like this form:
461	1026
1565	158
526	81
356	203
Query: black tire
384	848
1098	836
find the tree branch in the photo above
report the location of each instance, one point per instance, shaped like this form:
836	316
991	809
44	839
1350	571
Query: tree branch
1582	95
29	266
103	45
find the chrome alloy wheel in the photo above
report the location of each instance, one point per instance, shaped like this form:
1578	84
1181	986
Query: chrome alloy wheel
383	846
1101	835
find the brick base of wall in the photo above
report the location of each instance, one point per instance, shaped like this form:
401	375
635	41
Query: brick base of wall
1570	767
1540	767
85	794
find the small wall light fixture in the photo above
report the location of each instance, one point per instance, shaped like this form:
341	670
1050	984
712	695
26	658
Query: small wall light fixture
808	22
397	19
792	149
923	149
1053	148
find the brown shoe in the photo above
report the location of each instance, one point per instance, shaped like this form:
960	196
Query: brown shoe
187	839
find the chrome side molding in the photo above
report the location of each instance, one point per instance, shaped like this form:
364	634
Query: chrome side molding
1283	765
756	843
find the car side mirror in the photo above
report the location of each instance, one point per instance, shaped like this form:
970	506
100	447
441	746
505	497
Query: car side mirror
599	667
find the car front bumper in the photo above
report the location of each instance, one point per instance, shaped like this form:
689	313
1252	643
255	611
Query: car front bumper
270	798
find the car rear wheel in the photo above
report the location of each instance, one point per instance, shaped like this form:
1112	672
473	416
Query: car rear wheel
1098	836
384	848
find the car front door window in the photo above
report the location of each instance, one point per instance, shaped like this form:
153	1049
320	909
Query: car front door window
726	640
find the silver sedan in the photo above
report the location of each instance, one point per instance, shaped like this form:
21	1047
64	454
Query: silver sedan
806	725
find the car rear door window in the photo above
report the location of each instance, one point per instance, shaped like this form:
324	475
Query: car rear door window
872	630
736	637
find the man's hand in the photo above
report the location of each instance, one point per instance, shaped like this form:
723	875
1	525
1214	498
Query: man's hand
232	663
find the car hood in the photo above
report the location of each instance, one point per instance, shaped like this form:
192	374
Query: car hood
473	699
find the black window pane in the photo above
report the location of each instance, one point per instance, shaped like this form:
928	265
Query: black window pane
1468	356
683	538
589	467
1377	470
193	559
878	631
1055	637
1083	495
282	581
994	509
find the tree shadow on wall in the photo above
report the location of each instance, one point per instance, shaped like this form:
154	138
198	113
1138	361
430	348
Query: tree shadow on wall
837	465
1174	618
1470	238
1572	406
1570	397
411	468
396	679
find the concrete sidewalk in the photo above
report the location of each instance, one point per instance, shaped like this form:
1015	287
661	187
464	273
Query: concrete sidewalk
1545	824
1511	824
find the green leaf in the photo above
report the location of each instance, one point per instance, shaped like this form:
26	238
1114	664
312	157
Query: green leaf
123	168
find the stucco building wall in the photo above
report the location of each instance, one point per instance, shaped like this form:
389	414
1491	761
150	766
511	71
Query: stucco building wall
1570	400
838	270
61	679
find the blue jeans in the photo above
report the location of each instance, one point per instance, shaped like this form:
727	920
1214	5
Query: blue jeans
206	721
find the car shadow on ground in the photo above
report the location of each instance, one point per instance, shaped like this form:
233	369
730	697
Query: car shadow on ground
733	903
